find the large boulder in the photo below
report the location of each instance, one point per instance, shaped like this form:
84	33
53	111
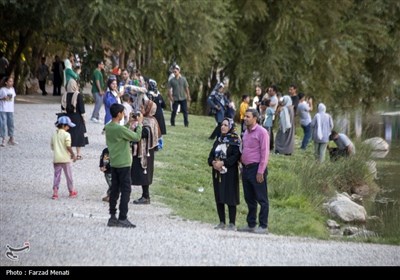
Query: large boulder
377	144
344	208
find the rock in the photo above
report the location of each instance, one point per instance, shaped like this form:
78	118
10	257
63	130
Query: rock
342	207
332	224
361	190
371	164
377	144
364	233
347	231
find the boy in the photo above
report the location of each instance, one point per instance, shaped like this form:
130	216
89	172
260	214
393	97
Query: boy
61	145
106	169
118	140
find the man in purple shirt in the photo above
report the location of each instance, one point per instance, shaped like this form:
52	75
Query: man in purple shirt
255	154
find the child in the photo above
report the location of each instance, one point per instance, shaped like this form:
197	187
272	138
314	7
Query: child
118	138
7	96
106	169
269	121
242	110
61	145
126	101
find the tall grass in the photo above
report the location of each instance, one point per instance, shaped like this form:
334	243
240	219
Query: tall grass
297	185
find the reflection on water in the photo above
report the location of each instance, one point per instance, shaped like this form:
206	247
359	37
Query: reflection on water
385	123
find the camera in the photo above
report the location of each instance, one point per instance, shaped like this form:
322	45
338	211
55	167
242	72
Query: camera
134	115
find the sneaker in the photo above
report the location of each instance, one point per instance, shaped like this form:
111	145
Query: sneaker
106	199
142	200
94	120
125	223
113	221
220	226
73	194
12	143
261	230
55	196
231	227
247	229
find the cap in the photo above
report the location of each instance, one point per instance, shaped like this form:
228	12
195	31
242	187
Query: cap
65	120
177	67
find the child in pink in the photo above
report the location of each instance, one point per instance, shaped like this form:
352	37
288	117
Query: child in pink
61	146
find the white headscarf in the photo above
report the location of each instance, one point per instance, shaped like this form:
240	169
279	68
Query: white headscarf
284	115
321	112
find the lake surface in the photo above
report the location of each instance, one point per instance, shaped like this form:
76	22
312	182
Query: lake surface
382	122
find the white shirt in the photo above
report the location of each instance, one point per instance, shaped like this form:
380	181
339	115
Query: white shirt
7	105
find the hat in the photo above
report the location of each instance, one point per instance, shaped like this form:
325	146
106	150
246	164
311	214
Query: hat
65	120
177	67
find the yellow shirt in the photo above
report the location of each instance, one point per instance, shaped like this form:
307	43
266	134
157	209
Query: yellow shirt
59	143
243	108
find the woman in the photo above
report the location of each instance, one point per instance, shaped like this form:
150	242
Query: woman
72	103
224	158
112	96
69	73
284	141
322	125
7	96
143	152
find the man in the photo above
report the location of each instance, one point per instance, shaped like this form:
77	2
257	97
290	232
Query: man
179	94
255	155
98	90
304	109
294	97
344	145
118	138
43	72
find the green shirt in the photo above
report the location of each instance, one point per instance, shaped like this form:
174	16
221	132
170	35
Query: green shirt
117	139
179	87
97	76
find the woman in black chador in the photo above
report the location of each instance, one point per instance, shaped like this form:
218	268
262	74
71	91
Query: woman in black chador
224	158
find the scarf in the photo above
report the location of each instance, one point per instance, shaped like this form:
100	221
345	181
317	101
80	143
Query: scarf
318	116
284	115
71	87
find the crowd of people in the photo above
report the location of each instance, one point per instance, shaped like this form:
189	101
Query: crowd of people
134	126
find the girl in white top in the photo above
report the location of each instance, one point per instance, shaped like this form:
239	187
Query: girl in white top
7	96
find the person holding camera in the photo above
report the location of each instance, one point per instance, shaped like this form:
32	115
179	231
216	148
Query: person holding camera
304	109
118	138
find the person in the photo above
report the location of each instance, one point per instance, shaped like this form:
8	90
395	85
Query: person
3	65
295	98
72	103
110	97
7	97
242	112
70	73
269	121
126	101
255	155
97	91
345	147
157	98
322	125
257	99
303	109
58	75
43	72
62	154
179	94
218	104
231	109
118	138
224	159
143	152
284	140
105	167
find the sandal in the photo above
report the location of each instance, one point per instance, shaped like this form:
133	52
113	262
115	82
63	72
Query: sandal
78	157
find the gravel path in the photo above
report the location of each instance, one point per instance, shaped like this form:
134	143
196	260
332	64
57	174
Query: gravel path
71	232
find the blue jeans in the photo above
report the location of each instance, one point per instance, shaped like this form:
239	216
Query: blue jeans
98	102
307	136
6	120
255	193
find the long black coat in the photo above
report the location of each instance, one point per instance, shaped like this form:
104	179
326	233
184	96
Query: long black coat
226	186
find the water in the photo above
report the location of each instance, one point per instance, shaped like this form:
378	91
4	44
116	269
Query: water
383	122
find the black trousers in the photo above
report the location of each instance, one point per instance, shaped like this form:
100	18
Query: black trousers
120	183
254	194
184	110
